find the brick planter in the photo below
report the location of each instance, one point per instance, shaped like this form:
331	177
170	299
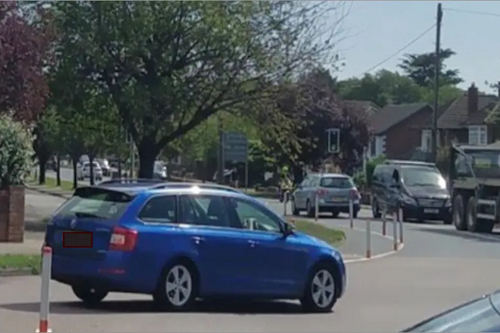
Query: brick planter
12	214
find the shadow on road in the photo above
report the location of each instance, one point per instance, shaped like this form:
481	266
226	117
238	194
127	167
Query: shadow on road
222	306
487	238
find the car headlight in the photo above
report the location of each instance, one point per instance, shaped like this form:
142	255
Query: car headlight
408	200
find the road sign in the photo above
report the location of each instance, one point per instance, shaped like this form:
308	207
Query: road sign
235	147
333	139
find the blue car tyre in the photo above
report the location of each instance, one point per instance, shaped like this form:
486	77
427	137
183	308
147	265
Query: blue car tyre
320	292
177	287
89	296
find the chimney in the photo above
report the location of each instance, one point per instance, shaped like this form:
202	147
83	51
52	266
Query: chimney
472	99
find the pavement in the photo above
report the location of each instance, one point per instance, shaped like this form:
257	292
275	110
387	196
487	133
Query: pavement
438	268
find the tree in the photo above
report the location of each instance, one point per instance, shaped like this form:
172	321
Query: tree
25	48
382	88
315	108
421	68
168	66
386	87
16	152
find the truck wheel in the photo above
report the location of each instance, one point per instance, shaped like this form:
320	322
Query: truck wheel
470	215
458	213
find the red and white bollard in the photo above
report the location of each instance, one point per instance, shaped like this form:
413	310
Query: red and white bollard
395	230
43	325
384	222
368	239
400	221
316	207
351	213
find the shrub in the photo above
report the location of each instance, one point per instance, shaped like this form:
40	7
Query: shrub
16	152
359	180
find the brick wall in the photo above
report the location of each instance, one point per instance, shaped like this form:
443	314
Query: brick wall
404	138
12	214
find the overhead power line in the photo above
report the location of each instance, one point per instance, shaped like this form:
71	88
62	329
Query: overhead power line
413	41
473	12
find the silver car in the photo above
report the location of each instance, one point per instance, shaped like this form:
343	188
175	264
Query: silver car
333	191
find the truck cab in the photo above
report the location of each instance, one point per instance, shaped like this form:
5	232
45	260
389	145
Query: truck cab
475	186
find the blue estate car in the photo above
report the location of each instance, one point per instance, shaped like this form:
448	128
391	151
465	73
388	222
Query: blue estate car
179	242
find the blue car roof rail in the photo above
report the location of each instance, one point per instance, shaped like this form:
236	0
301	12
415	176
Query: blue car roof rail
132	181
201	185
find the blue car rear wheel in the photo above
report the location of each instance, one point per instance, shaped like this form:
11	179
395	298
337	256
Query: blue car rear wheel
89	295
177	287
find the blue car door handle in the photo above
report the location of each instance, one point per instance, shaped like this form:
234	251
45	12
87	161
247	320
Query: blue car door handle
252	243
198	240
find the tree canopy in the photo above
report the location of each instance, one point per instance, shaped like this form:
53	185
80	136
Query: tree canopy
168	66
25	48
421	68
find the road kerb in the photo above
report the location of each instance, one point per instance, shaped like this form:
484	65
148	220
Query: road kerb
373	257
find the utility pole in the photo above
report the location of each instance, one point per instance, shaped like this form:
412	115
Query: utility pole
437	70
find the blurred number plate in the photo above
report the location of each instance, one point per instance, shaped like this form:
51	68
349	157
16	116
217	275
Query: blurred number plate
337	199
431	211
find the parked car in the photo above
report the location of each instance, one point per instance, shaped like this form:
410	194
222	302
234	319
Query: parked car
334	191
179	243
418	188
105	167
160	170
479	315
84	171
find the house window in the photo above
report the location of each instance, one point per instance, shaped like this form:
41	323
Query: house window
426	140
478	135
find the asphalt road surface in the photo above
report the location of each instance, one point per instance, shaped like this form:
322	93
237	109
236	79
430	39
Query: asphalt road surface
438	268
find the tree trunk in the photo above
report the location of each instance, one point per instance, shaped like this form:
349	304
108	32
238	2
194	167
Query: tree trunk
42	168
148	153
74	160
58	170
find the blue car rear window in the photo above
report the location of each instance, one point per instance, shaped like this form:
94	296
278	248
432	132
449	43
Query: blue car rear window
96	202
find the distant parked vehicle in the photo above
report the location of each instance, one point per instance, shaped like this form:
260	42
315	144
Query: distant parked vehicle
84	171
160	170
334	191
105	167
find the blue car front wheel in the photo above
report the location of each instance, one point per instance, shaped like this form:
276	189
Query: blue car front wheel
321	291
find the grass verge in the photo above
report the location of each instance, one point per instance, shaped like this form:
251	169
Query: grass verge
14	262
65	184
332	236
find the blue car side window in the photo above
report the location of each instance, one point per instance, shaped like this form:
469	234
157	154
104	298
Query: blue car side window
160	209
254	217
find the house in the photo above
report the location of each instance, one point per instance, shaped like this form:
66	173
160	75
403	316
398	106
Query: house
463	120
396	130
367	106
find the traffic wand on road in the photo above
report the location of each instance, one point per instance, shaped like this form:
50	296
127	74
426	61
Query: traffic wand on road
43	325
